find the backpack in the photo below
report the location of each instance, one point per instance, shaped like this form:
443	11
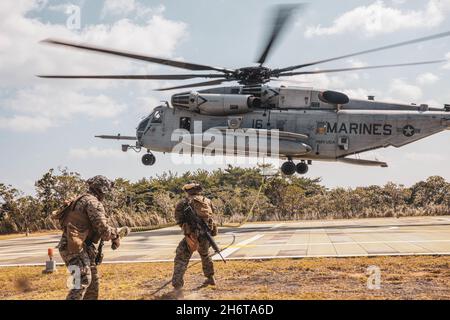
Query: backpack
203	208
61	214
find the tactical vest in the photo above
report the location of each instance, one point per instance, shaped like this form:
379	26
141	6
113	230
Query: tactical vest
77	226
203	208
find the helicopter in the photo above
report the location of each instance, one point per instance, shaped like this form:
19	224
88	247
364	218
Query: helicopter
304	124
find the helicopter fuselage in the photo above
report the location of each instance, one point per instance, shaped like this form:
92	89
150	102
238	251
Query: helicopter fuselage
329	132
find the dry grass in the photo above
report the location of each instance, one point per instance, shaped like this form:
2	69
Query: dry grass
412	277
23	235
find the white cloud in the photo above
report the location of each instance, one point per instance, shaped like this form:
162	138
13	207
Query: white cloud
118	7
426	78
398	2
424	157
404	91
328	81
43	103
42	107
447	65
378	18
347	82
94	152
146	104
22	56
320	81
359	93
125	8
25	123
44	100
355	63
64	8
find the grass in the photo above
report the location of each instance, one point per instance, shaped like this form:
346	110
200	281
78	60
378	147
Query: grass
154	227
23	235
407	277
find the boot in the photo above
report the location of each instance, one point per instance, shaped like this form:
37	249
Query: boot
177	293
210	281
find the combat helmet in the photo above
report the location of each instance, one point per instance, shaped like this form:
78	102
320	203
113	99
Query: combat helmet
100	185
192	187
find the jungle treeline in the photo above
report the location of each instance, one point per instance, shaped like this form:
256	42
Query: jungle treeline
238	194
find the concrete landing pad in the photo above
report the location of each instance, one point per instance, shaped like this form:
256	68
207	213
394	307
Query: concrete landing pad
319	238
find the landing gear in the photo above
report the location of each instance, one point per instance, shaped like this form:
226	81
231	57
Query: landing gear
289	167
148	159
302	167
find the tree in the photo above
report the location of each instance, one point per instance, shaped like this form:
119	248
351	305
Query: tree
235	192
434	190
53	190
10	212
45	189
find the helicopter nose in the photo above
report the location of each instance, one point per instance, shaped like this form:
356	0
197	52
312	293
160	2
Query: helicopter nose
139	137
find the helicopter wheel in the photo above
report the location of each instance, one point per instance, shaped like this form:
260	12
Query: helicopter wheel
148	159
302	168
288	168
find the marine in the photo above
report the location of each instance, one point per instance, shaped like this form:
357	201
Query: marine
84	224
193	240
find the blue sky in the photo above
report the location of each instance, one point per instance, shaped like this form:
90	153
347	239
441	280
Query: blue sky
46	123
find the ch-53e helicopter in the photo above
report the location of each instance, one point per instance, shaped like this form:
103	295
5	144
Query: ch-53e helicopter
309	124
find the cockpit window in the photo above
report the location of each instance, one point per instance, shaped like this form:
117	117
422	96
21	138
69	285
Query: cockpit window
185	123
143	124
157	117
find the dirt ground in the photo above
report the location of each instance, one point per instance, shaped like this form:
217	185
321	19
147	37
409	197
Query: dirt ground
407	277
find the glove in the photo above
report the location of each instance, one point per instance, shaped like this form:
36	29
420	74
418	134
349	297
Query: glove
120	232
115	243
123	232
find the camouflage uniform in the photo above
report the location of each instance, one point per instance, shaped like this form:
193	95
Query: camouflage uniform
192	242
77	242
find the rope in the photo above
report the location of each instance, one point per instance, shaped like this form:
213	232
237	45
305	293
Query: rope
194	264
250	212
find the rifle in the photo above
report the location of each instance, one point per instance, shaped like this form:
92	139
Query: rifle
199	224
99	256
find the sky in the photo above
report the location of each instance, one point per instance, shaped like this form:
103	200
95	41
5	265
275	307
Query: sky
48	123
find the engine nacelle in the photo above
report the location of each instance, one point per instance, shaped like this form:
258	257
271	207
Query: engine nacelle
333	97
216	104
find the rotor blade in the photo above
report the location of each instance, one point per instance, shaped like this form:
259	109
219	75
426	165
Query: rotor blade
288	74
283	13
199	84
117	137
400	44
135	77
289	81
167	62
